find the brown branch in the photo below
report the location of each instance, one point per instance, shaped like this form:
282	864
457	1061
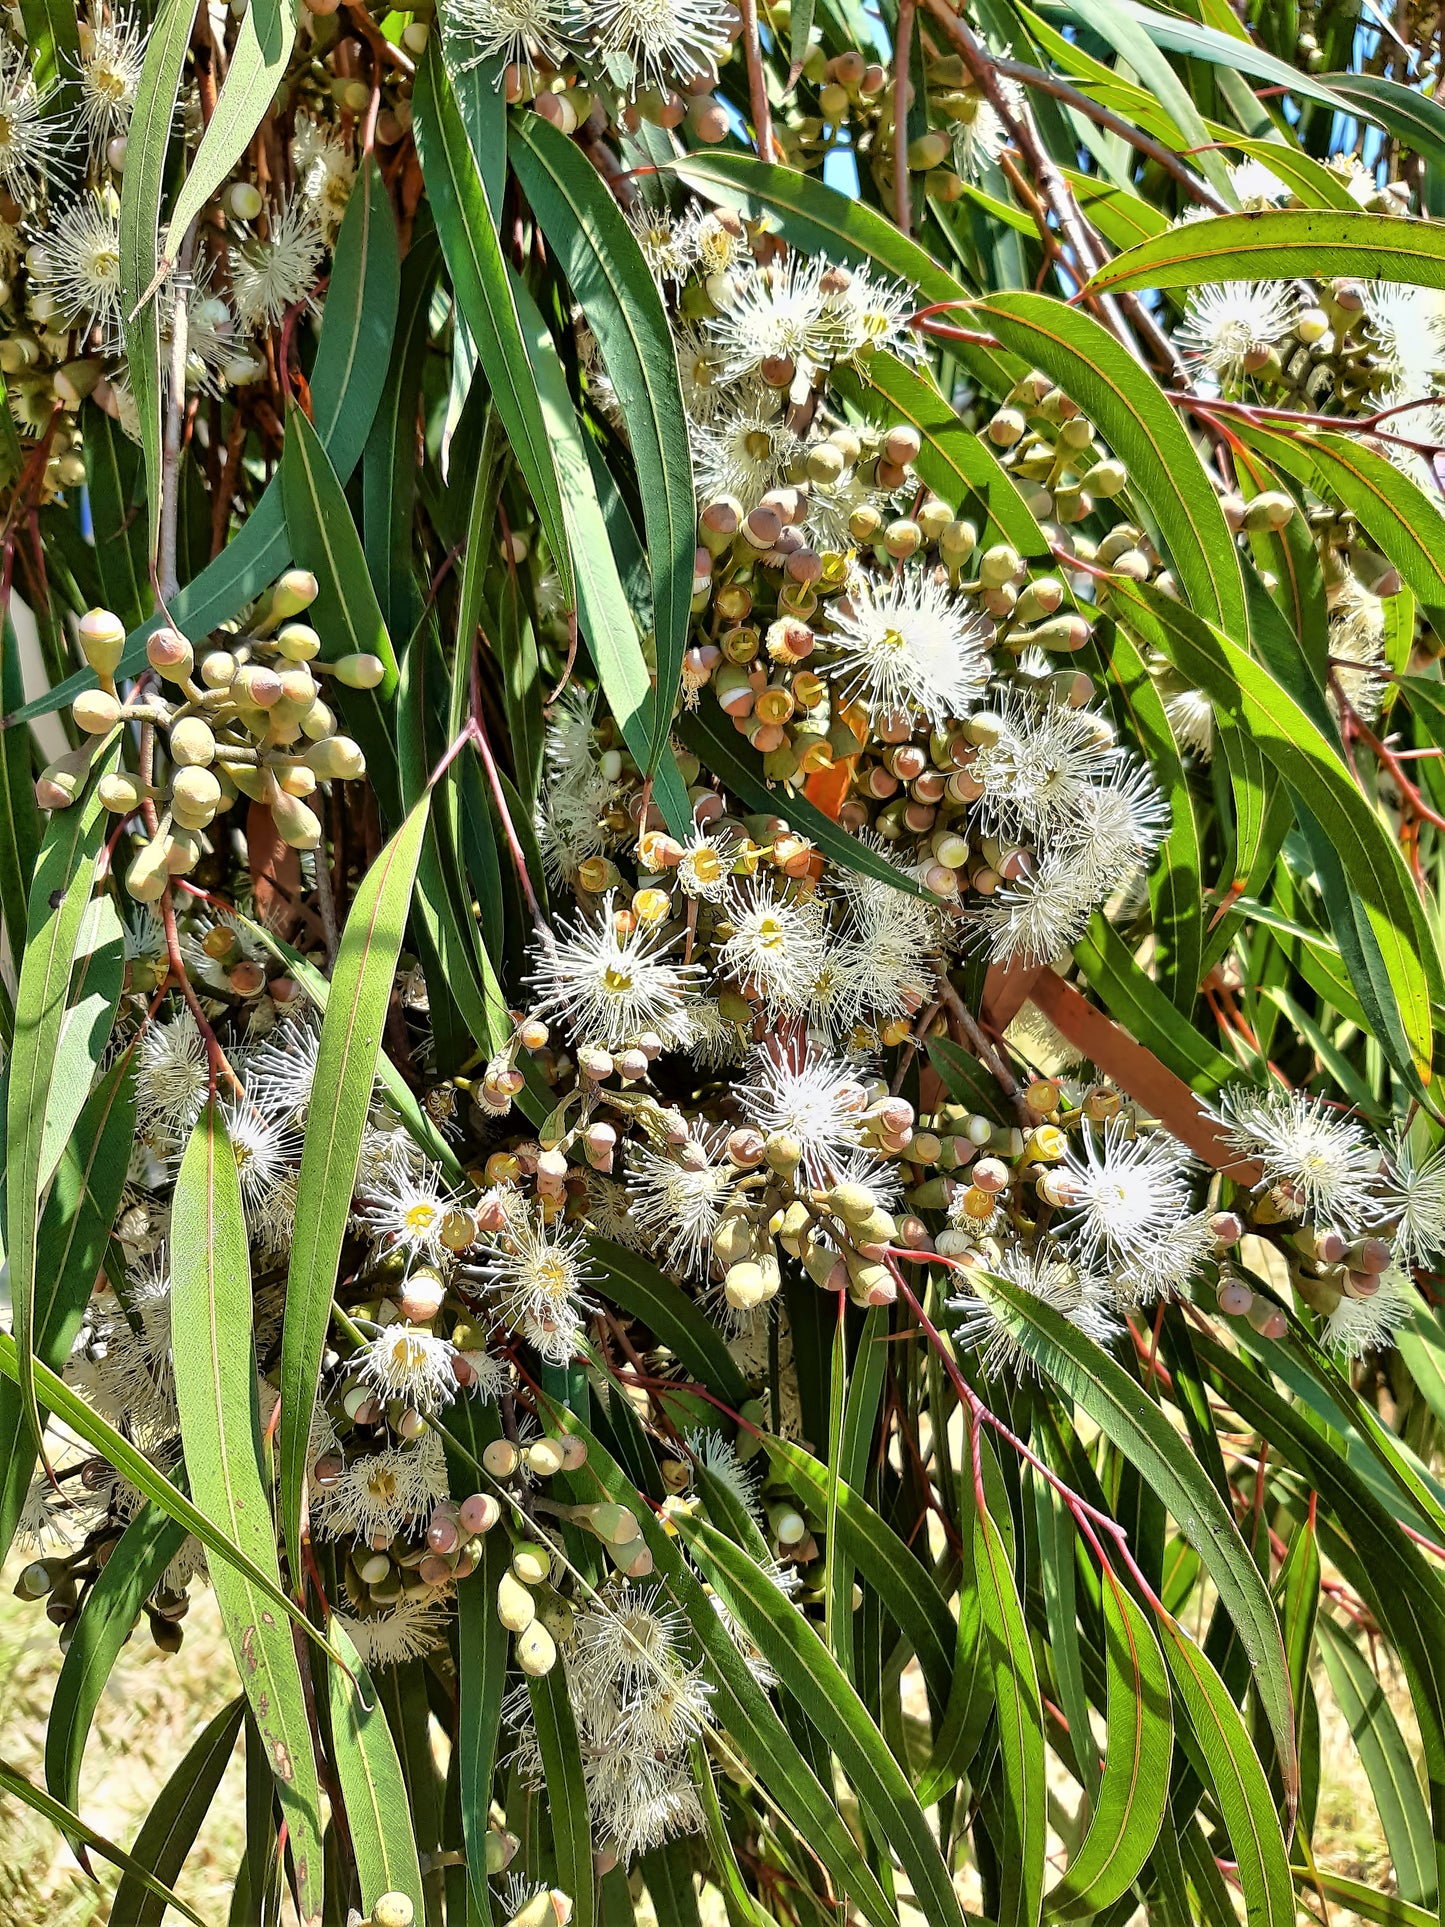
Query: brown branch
903	43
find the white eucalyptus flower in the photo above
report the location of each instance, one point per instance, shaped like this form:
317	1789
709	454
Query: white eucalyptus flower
1230	326
610	986
1326	1161
276	272
909	644
811	1098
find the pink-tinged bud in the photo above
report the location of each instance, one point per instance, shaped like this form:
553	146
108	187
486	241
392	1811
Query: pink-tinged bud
991	1175
1372	1255
1235	1299
263	688
442	1535
169	654
1227	1226
434	1570
631	1066
883	1291
478	1514
599	1141
746	1147
491	1215
1361	1284
595	1064
1330	1248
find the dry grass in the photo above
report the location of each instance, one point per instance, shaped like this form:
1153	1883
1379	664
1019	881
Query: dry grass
151	1710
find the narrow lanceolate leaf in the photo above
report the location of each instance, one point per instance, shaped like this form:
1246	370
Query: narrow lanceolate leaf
479	278
566	1781
1386	1759
165	1840
1098	372
97	976
1238	1780
1244	691
614	287
59	895
1133	1423
111	462
106	1621
346	1063
258	61
1317	243
817	218
70	1246
1021	1794
805	1666
147	141
377	1815
19	818
215	1373
1413	116
635	1283
346	613
1135	1787
143	1880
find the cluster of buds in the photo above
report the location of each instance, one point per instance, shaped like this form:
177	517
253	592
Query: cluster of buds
249	721
612	77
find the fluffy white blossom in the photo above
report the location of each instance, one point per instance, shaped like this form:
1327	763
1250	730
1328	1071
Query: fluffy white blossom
610	986
1230	326
1323	1160
112	53
809	1097
406	1362
1412	1193
909	644
540	1276
677	1199
778	944
665	40
274	272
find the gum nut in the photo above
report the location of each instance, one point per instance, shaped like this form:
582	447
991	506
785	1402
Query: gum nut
545	1457
1235	1299
500	1458
393	1910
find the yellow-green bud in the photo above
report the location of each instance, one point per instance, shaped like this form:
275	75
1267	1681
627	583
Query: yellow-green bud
516	1608
120	793
192	743
296	823
535	1650
95	711
298	643
338	759
102	641
359	672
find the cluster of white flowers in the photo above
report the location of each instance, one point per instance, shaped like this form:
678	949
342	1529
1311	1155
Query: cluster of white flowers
62	157
629	44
